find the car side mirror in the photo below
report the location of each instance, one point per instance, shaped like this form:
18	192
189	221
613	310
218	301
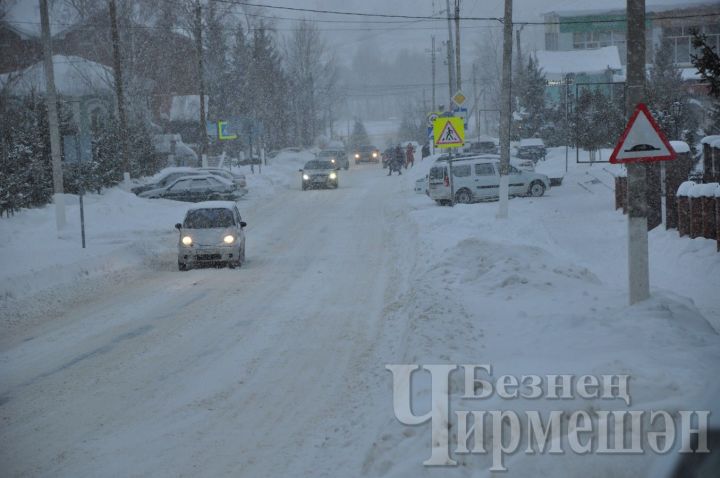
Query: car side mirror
300	170
243	224
178	226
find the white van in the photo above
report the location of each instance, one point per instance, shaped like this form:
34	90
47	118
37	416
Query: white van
478	178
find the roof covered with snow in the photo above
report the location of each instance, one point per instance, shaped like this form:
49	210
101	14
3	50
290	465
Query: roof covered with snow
680	146
74	76
23	17
590	61
213	205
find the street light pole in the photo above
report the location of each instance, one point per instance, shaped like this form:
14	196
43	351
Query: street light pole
505	112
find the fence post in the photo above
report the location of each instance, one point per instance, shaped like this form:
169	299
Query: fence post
683	207
717	216
696	217
708	207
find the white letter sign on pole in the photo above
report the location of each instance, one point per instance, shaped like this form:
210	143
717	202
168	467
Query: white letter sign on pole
642	140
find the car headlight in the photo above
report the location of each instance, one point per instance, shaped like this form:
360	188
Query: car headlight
357	155
333	176
306	177
229	239
332	160
187	240
374	155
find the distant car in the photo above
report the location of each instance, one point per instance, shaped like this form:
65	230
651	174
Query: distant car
483	147
196	188
237	178
211	234
336	156
367	154
164	178
478	179
532	148
319	174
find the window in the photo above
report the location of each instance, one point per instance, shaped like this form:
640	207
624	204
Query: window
514	170
437	173
200	184
461	171
484	169
181	185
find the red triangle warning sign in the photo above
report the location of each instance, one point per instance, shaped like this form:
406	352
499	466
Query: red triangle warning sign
642	140
449	135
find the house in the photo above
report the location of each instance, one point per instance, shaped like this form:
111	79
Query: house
590	29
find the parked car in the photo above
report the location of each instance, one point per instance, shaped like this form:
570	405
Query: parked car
211	234
336	156
367	154
532	148
237	178
319	174
164	178
197	187
483	146
476	179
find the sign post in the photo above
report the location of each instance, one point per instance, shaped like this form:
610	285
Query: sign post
449	132
78	149
641	142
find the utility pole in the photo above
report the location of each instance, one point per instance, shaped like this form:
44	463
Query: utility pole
119	95
433	50
519	49
53	123
638	264
475	97
505	111
450	56
457	44
198	40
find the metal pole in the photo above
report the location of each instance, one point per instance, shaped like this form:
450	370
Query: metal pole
53	123
120	97
450	55
457	44
432	56
567	129
201	84
638	263
505	112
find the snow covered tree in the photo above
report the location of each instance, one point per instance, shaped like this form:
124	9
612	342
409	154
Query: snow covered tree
531	108
359	136
667	96
707	63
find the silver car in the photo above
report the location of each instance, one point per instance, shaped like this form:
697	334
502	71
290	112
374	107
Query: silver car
477	179
211	234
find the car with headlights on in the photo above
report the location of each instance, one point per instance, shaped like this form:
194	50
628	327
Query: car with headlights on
211	234
367	154
196	188
336	156
319	174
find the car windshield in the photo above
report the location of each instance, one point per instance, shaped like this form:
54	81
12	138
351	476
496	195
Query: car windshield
208	218
319	165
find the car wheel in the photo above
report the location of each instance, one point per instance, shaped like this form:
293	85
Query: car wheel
537	189
182	267
304	187
463	196
242	255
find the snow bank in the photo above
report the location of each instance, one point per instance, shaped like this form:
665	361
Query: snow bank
685	188
545	292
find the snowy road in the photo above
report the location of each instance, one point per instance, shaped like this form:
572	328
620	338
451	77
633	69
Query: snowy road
215	372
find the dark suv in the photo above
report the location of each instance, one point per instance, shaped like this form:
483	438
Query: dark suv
367	154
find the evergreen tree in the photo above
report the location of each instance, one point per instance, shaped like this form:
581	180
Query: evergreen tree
359	136
708	64
667	95
531	101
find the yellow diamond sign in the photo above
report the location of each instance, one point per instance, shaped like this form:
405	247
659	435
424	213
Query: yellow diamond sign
449	132
459	98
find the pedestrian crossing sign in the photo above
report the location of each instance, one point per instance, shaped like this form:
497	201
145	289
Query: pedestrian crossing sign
448	132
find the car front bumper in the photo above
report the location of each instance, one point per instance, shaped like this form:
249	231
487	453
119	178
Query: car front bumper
207	255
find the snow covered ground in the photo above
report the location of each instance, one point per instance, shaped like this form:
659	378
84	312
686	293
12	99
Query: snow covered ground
115	364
